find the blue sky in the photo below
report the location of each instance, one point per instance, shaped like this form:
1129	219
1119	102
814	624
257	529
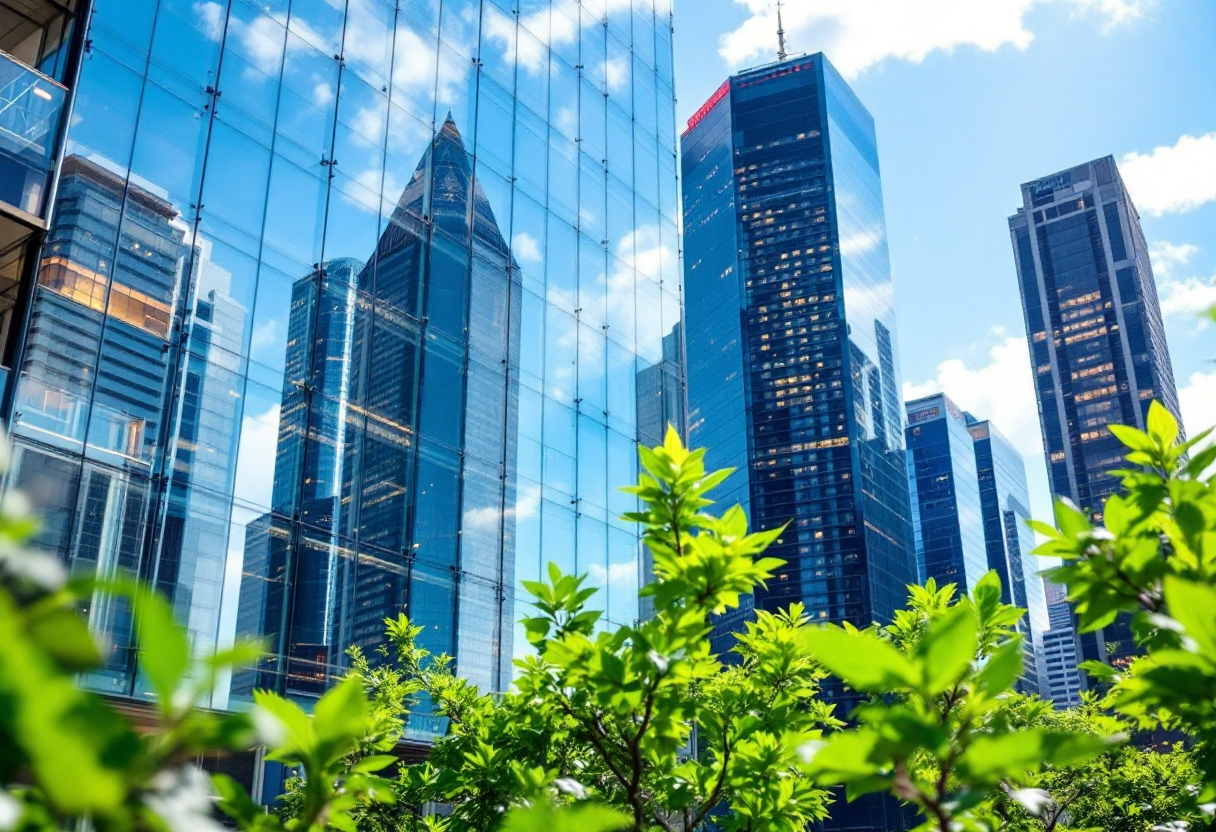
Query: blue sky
972	98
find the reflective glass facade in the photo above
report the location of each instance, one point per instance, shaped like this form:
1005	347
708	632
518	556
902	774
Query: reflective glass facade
1097	341
951	547
1010	542
350	306
792	375
971	507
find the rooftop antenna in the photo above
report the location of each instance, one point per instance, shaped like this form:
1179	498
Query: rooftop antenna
780	35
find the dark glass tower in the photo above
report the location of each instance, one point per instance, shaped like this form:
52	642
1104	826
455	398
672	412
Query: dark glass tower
792	375
951	544
1097	342
369	535
970	505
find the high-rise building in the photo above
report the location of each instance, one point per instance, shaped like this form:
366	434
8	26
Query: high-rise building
792	375
1063	679
342	310
1097	342
951	545
971	506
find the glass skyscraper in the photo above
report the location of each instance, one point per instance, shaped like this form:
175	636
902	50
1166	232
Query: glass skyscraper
951	545
1097	341
970	507
792	373
346	307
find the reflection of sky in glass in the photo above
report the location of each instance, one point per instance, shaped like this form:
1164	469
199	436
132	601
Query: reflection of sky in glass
272	159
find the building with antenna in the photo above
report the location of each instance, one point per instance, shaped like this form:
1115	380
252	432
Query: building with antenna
790	326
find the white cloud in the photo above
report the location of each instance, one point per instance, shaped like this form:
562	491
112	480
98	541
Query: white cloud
1188	298
1172	179
1165	255
860	242
857	34
256	457
526	248
210	19
1001	390
1197	401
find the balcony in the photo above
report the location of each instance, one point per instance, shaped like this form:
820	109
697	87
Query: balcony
31	106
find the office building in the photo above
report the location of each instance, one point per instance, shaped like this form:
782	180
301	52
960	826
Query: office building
334	311
792	376
971	507
950	539
1097	342
1005	498
1060	650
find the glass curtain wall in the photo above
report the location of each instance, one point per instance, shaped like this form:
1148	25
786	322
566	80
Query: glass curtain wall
348	307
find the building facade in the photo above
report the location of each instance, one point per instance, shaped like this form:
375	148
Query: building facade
1060	650
790	328
345	309
950	532
1097	341
971	507
1009	541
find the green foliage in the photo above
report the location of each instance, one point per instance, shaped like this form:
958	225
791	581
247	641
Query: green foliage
936	731
67	755
641	727
641	719
1151	553
1124	789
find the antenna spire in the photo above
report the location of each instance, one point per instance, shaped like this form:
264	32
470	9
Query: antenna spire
780	35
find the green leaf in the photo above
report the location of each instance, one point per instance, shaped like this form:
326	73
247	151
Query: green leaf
1162	425
374	763
164	648
993	757
862	660
947	648
63	634
1003	667
340	713
1193	605
843	757
585	817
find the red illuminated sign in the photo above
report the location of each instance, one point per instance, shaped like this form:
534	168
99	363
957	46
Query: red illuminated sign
706	107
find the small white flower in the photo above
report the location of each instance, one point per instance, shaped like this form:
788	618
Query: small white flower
572	787
15	505
182	798
1208	808
10	811
658	661
1172	826
1032	800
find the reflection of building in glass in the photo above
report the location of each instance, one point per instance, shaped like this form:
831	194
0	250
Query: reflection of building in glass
660	403
792	376
970	507
91	414
661	392
215	397
1097	341
364	512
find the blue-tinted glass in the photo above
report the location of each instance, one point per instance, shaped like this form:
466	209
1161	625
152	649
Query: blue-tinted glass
1096	336
342	313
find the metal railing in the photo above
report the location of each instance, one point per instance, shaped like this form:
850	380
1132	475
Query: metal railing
31	106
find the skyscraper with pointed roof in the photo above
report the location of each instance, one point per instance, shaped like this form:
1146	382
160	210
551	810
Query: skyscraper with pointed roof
358	532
